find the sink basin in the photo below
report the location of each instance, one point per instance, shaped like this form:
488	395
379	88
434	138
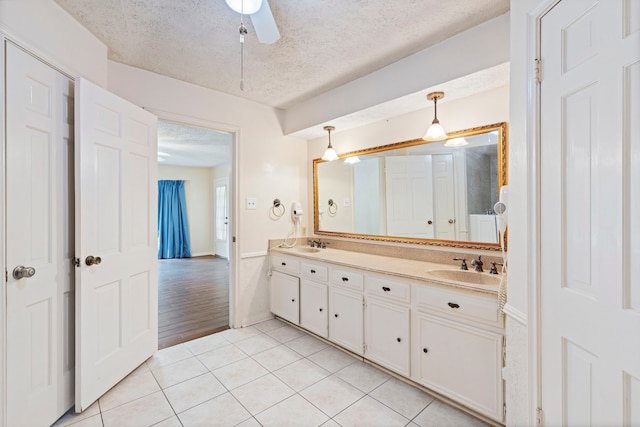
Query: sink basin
306	249
464	276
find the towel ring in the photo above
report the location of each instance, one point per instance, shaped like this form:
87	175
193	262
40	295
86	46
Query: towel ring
333	207
277	209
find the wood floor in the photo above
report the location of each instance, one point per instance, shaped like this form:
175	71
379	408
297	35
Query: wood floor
193	298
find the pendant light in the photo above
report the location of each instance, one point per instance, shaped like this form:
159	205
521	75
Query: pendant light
436	131
330	154
456	142
245	7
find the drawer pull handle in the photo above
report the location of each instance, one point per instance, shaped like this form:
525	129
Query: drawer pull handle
284	263
293	300
425	350
320	309
313	271
399	339
453	305
336	315
386	289
345	279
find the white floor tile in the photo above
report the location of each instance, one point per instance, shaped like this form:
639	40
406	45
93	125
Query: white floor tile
439	414
94	421
306	345
285	333
370	413
363	376
168	355
301	374
268	325
222	411
331	423
332	359
256	344
239	334
276	357
251	422
293	412
131	388
193	392
331	395
180	371
239	373
71	417
169	422
208	343
222	356
141	369
402	397
262	393
145	411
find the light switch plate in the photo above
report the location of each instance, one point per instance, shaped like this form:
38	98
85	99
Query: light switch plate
251	203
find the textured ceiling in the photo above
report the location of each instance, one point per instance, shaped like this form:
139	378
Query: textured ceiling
324	43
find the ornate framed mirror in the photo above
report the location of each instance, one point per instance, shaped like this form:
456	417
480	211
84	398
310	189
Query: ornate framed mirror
418	192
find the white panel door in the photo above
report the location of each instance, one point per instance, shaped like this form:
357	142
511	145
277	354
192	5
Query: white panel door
39	149
116	222
409	195
444	197
221	220
590	212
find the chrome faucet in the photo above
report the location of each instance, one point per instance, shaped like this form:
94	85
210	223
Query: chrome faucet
494	270
464	263
478	264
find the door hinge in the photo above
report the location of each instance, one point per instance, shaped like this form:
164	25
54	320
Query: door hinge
538	70
364	348
233	239
6	276
539	416
504	411
76	262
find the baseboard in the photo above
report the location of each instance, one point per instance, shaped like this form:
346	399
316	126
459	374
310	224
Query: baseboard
202	254
253	254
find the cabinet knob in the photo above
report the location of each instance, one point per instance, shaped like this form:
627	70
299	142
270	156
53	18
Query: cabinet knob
335	315
399	339
284	263
386	289
345	279
313	271
425	350
453	305
293	300
429	222
320	309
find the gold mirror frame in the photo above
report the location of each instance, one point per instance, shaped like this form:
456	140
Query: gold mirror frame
502	180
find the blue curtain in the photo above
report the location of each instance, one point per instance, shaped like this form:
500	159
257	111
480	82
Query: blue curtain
173	230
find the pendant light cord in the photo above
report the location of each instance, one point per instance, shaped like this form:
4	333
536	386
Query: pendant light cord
243	32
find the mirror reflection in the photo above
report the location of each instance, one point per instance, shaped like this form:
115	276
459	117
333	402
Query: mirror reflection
417	191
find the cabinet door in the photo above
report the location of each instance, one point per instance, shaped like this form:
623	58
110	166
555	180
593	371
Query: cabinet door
285	296
461	362
346	319
387	334
313	307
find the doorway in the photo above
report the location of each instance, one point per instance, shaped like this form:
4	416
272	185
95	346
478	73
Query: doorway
193	293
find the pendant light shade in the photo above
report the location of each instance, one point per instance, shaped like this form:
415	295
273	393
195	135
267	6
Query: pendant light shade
330	154
246	7
456	142
352	160
436	131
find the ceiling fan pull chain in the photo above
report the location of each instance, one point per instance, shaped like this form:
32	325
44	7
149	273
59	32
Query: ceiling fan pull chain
243	32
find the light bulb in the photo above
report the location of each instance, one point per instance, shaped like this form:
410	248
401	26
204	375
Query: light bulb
330	155
247	7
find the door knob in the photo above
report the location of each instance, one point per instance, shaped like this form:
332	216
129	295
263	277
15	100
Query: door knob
451	221
22	272
92	260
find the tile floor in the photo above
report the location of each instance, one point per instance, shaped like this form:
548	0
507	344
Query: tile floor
270	374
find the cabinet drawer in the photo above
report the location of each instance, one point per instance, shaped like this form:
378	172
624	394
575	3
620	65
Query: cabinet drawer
349	279
314	271
457	304
285	264
391	289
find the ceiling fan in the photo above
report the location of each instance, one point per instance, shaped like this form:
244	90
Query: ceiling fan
261	17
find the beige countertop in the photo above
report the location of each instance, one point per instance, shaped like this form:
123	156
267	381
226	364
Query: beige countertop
405	268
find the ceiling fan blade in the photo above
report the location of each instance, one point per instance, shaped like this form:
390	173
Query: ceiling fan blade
265	25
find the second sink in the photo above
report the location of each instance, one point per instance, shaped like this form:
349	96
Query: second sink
466	276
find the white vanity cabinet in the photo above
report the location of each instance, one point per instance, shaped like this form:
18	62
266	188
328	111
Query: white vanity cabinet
285	296
387	323
457	349
346	322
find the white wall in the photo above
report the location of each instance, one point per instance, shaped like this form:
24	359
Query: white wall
270	166
198	194
485	108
